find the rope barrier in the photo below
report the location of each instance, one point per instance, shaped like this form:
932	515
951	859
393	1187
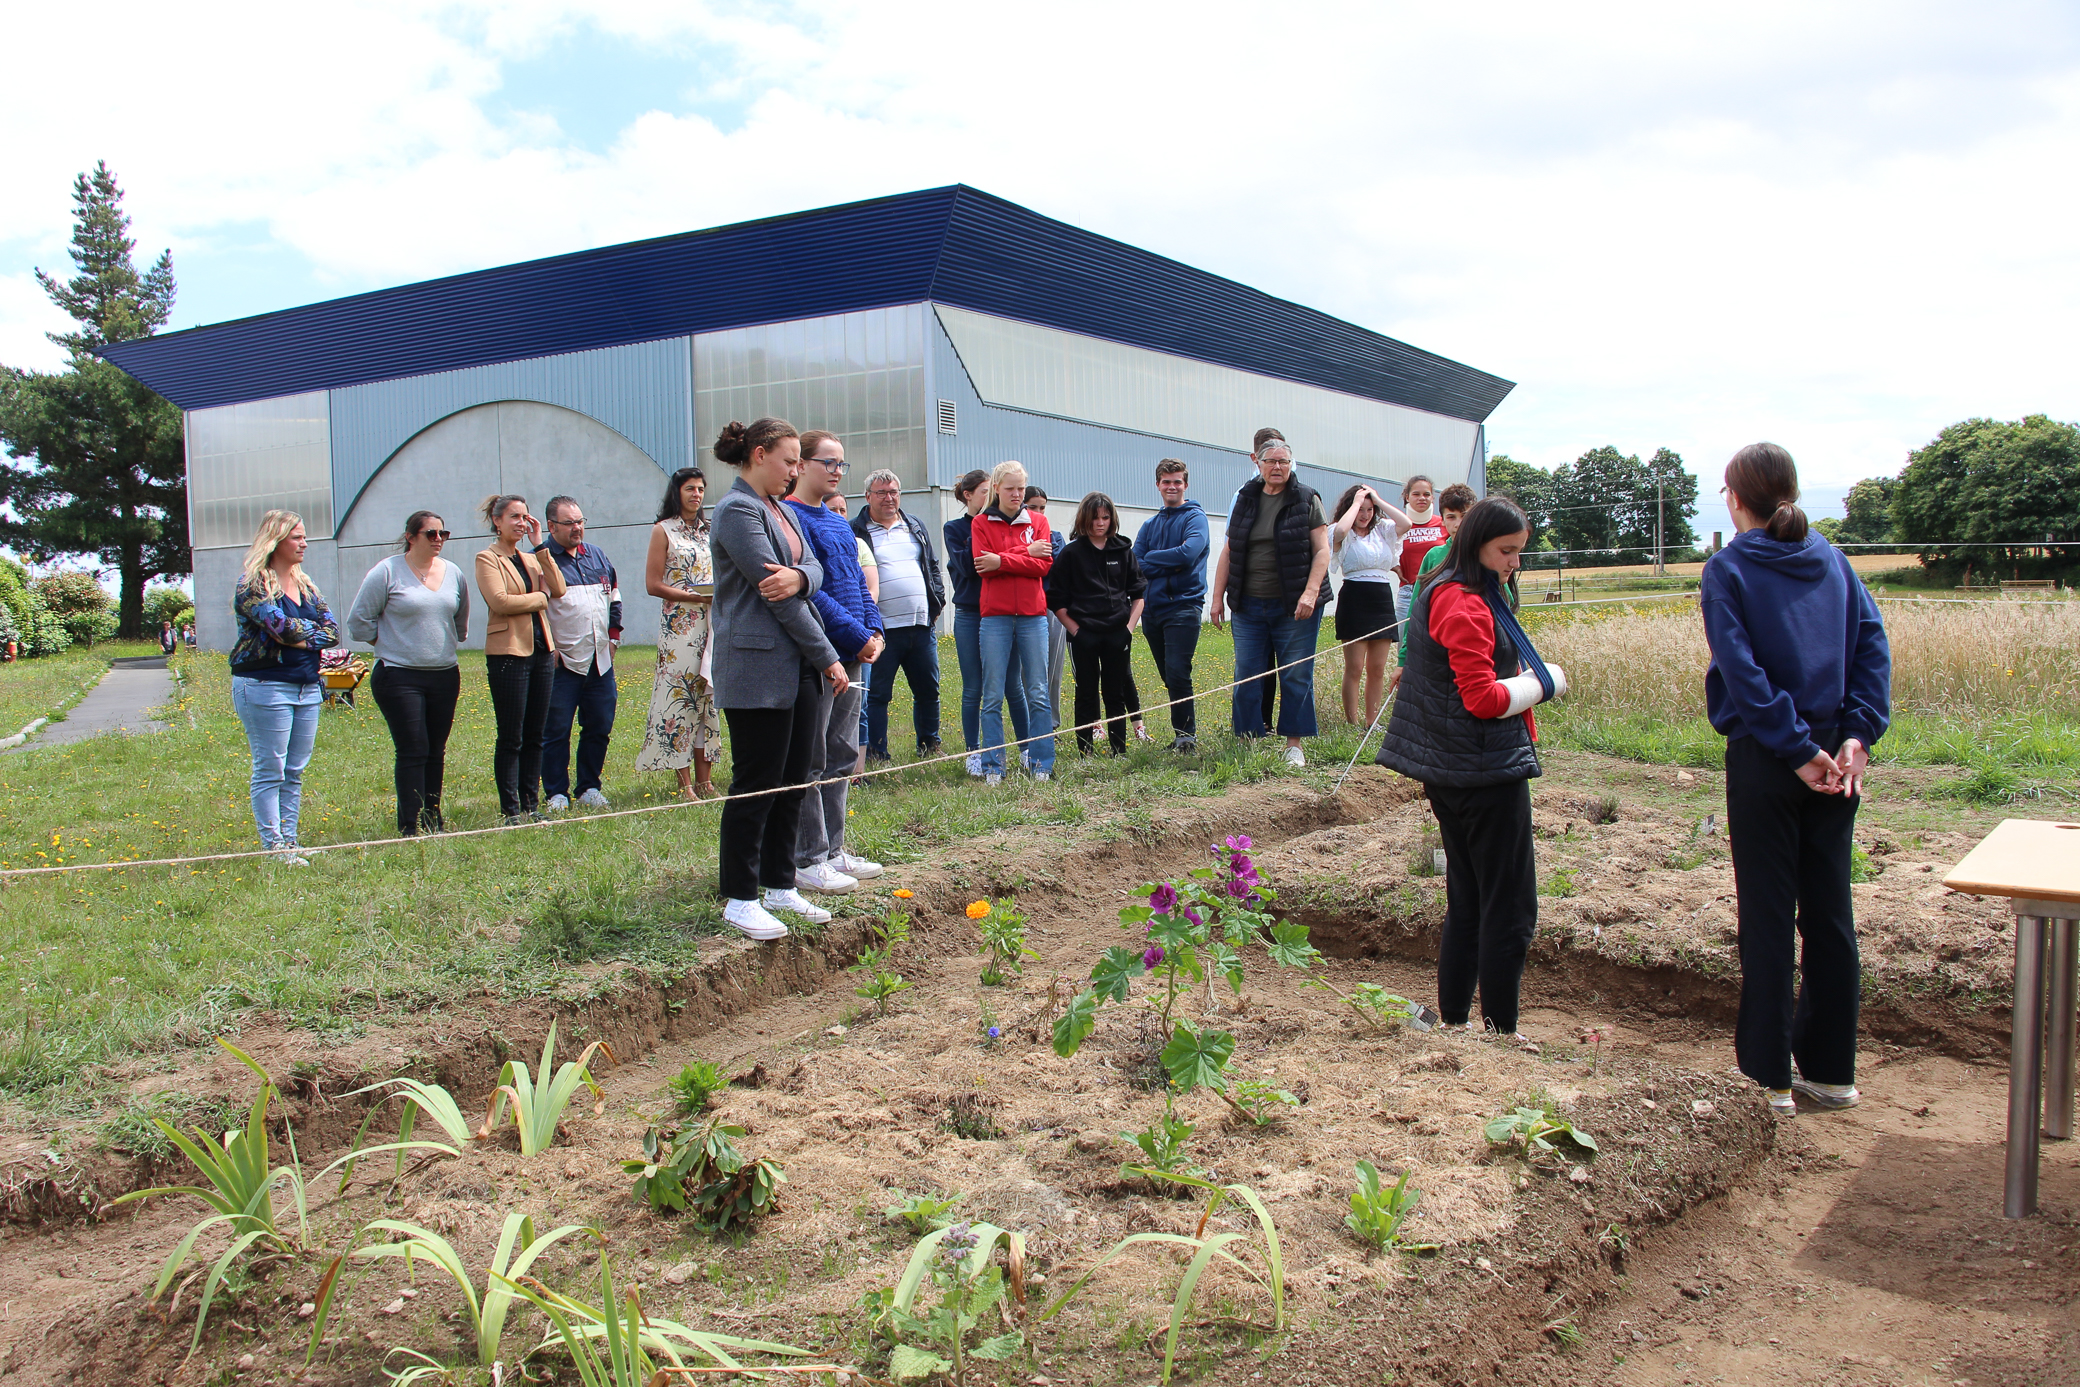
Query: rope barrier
67	869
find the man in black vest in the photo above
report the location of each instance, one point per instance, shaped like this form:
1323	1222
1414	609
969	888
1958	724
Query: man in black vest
1276	560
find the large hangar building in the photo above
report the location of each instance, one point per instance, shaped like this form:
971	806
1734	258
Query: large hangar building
934	332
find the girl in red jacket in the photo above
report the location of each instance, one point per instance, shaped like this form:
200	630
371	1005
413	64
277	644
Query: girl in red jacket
1013	554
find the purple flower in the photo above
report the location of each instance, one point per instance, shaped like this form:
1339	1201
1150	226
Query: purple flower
1151	956
1239	842
1238	889
994	1032
1241	866
1163	899
1193	916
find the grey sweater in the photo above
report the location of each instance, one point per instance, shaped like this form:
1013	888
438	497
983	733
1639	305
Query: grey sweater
410	624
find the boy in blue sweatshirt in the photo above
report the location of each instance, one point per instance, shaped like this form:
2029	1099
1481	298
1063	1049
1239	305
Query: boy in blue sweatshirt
1171	550
1800	685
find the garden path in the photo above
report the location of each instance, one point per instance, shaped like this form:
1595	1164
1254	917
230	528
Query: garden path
121	702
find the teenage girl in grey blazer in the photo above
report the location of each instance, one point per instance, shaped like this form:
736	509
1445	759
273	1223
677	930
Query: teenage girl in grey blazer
769	653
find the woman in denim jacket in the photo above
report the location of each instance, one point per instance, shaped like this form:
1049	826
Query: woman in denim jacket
283	623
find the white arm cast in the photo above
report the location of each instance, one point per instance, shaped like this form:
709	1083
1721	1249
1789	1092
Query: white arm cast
1525	692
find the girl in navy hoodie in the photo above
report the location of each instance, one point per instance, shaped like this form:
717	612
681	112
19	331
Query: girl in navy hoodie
1800	686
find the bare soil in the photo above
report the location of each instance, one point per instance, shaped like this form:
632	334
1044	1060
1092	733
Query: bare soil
1705	1243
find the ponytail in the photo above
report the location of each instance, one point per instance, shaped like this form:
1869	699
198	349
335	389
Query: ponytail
1765	479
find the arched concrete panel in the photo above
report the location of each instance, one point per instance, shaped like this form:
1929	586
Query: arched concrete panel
517	447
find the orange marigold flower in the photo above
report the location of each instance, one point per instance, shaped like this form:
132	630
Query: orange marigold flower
902	894
977	909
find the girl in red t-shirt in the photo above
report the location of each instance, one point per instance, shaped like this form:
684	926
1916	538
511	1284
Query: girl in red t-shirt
1425	532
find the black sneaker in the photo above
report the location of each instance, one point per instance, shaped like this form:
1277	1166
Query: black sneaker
934	747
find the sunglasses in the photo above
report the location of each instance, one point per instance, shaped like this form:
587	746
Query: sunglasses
435	534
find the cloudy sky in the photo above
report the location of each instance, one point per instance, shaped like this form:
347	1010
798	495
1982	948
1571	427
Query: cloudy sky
1837	225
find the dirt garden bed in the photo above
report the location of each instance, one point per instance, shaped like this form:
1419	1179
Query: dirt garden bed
856	1107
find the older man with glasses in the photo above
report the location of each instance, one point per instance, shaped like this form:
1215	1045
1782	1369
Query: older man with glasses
585	623
912	595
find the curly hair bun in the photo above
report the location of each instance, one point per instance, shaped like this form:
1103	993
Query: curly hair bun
730	446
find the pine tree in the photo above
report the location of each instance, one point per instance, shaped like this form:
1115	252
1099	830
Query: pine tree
98	466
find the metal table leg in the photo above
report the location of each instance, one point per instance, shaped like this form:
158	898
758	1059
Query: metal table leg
2025	1068
2059	1032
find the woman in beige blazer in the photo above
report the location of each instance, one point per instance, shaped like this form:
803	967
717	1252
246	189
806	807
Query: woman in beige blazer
519	654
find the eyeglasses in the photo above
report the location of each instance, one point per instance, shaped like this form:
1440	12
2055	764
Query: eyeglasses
579	521
434	534
836	465
885	491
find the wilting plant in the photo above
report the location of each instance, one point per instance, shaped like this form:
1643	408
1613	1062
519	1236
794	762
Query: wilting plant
1378	1008
1533	1130
538	1100
419	1097
1003	932
487	1314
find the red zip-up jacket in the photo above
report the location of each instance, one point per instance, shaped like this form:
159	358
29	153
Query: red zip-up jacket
1463	625
1018	588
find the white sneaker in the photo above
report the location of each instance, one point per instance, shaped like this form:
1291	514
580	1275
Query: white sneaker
856	867
1042	775
1826	1095
827	878
795	903
593	799
558	803
1295	757
975	763
1025	760
751	918
993	779
288	857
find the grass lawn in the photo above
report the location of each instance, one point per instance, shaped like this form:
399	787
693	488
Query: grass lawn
40	688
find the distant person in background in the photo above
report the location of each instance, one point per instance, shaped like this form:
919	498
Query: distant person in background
167	640
1800	685
519	651
1096	591
973	492
1425	532
1452	505
853	624
283	623
1366	537
1057	634
1463	726
1013	554
1171	551
586	622
188	635
683	733
1276	564
413	607
910	601
1263	437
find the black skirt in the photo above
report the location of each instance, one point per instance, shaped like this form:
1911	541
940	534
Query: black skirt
1365	611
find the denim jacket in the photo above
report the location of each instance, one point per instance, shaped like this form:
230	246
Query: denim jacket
264	628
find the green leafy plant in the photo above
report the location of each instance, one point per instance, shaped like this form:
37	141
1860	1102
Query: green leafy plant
704	1174
1259	1102
241	1189
538	1101
880	980
1378	1008
1162	1144
1533	1130
960	1261
1377	1213
1203	1251
419	1097
615	1344
1560	883
1003	932
487	1314
923	1212
695	1085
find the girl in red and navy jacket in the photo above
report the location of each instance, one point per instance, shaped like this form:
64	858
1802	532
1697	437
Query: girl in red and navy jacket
1463	726
1013	555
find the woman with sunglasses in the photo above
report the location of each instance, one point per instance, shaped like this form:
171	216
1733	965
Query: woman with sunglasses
413	607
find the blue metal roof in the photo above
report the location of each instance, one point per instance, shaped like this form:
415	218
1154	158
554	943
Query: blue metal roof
955	245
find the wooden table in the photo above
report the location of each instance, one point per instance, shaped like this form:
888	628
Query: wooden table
2036	865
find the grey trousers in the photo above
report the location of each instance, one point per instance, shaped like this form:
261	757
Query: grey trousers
834	751
1057	649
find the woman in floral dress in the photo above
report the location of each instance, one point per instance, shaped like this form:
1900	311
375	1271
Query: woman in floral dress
684	732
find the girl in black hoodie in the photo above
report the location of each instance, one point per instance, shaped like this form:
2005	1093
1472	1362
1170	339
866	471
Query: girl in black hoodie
1095	588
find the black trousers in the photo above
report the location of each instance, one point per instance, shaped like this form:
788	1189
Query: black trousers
1174	640
767	747
1103	658
521	686
1791	881
1491	899
419	705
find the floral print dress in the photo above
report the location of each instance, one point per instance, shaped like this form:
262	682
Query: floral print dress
683	719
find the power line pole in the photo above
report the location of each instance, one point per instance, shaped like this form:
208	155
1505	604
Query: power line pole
1658	484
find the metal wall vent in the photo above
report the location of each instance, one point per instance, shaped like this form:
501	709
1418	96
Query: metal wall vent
949	417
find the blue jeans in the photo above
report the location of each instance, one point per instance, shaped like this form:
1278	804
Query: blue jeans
590	699
967	648
1266	634
1173	638
281	722
915	651
1014	651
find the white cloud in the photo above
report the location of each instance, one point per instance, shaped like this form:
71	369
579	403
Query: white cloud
1838	226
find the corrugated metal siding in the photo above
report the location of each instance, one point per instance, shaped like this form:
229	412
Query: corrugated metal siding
643	392
956	244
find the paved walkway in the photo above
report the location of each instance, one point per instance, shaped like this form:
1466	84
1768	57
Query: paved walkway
121	702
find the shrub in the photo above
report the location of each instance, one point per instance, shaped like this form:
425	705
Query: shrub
80	604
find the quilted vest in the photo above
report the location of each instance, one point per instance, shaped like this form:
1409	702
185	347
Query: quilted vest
1292	539
1432	737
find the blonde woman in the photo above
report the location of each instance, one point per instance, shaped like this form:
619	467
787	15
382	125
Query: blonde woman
519	652
283	623
684	732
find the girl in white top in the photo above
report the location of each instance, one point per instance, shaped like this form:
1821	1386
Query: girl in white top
1366	536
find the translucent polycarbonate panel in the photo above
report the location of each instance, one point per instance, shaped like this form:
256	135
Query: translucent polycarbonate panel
246	460
857	375
1048	371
